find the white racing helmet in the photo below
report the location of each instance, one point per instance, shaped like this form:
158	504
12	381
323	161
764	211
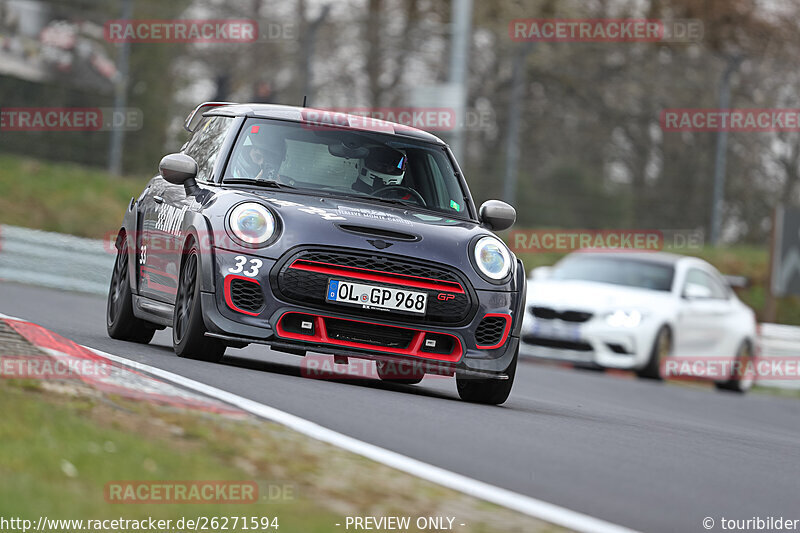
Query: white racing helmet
383	167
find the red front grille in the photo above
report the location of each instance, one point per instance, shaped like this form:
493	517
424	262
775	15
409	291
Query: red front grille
303	278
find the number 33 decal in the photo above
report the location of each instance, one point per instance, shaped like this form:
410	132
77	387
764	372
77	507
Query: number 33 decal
241	261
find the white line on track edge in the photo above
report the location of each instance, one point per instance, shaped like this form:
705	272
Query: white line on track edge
460	483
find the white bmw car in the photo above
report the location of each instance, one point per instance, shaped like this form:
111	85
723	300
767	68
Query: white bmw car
632	310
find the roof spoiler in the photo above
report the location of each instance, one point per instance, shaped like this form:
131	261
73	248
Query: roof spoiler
198	112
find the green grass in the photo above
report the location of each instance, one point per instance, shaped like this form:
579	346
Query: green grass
63	197
57	457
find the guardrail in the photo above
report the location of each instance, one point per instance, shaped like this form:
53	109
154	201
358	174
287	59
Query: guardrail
55	260
779	340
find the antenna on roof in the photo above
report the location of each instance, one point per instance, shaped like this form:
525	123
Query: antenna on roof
304	100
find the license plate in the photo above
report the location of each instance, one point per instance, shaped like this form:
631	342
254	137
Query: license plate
372	297
557	331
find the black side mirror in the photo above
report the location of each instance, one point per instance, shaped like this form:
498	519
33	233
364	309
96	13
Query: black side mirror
179	169
497	215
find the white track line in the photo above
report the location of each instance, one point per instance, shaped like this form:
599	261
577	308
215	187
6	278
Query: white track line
478	489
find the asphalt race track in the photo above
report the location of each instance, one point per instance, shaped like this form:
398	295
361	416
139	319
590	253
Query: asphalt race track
644	455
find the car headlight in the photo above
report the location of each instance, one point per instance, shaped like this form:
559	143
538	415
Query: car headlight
492	258
252	223
624	319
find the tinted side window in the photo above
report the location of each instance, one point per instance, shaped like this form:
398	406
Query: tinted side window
205	144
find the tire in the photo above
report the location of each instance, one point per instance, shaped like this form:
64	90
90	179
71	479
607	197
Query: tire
188	327
121	323
662	347
736	383
389	370
488	391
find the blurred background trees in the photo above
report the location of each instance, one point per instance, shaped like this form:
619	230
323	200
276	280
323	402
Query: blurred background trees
592	153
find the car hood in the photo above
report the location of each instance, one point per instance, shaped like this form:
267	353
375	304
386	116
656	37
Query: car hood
593	296
307	210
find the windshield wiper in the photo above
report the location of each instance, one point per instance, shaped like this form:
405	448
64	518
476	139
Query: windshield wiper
261	183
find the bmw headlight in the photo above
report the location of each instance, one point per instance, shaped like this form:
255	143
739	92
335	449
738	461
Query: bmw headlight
492	258
252	223
624	319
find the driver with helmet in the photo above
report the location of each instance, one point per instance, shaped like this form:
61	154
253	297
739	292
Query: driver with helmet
381	169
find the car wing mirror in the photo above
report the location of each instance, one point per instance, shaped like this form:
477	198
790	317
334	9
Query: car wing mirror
179	169
497	215
695	291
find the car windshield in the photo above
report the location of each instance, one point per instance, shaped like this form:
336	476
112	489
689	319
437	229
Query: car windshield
378	167
639	273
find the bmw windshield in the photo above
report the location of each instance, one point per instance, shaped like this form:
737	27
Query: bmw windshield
354	164
637	273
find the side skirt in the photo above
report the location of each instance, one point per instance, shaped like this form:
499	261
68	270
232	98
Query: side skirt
153	311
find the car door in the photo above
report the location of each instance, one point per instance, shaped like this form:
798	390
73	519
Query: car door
204	147
151	243
705	310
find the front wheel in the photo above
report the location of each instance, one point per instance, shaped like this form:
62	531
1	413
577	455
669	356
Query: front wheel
741	380
488	391
121	323
188	327
662	347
